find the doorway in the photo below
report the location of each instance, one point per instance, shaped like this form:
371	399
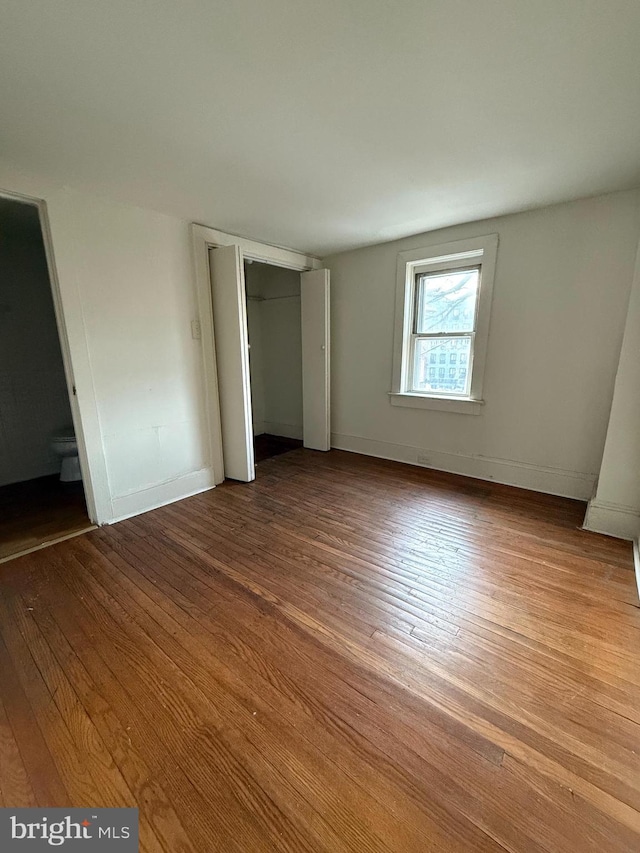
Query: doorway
222	300
41	491
230	320
275	358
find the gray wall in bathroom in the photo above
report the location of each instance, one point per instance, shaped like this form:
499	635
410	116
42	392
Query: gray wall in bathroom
33	393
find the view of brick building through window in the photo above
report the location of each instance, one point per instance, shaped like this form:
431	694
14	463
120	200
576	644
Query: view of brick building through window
444	326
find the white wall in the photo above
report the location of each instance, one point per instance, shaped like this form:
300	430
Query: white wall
615	508
276	360
34	400
126	282
561	290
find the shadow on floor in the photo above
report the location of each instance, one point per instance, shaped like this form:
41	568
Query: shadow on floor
39	511
266	446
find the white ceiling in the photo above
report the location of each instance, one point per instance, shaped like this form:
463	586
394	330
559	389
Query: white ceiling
329	124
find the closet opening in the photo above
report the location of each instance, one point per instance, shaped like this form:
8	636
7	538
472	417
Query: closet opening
275	358
290	301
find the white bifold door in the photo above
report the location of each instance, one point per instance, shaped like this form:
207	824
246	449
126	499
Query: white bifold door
314	295
232	356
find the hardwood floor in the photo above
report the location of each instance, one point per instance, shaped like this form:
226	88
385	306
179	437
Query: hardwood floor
39	511
346	655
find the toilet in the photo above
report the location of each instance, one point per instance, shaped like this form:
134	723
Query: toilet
64	444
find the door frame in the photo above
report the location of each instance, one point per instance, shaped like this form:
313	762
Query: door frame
82	414
203	239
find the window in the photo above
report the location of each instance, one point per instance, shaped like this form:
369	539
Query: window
443	320
443	304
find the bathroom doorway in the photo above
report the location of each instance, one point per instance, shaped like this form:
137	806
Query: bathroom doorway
42	496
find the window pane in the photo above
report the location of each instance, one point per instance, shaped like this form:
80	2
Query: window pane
447	301
452	380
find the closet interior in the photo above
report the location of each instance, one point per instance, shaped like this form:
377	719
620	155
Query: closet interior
275	358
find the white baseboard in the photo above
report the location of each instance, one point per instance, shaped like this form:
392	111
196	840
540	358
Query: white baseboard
284	430
612	519
162	494
552	481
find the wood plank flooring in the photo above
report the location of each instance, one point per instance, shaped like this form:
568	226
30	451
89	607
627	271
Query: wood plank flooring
39	511
346	655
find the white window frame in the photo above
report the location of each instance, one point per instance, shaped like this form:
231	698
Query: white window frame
461	254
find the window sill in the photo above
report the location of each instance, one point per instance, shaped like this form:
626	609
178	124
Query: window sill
440	404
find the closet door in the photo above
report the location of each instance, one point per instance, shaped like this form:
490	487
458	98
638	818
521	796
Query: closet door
232	356
314	290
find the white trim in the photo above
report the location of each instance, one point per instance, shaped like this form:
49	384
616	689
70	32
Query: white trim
636	563
479	249
612	519
510	472
78	374
203	239
200	247
464	250
460	405
252	250
162	494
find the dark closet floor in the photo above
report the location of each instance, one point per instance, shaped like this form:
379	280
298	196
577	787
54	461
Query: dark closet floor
39	511
266	446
